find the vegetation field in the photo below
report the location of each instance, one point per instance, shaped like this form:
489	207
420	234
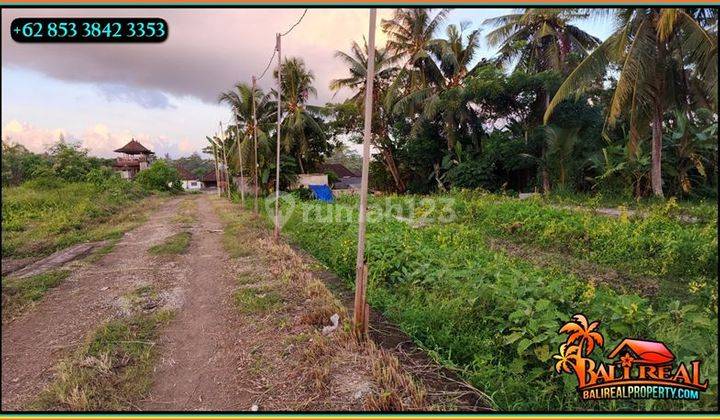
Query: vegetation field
495	317
44	215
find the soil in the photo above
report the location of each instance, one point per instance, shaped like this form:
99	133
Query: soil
198	367
34	342
216	354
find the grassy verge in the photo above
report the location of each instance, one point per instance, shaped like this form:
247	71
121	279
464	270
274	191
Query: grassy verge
39	220
287	306
174	245
113	368
18	294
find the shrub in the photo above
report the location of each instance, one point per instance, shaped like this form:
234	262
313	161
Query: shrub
159	177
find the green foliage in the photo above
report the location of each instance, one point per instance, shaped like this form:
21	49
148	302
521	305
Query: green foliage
19	164
494	317
159	177
17	294
175	244
47	214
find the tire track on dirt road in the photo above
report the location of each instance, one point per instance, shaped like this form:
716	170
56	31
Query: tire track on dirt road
198	362
33	343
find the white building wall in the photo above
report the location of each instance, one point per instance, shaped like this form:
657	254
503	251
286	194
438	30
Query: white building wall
191	185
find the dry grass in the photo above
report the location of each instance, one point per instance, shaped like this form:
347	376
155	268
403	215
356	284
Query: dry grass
317	372
113	368
187	212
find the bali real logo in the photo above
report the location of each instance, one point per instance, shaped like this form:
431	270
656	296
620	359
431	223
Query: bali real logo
641	370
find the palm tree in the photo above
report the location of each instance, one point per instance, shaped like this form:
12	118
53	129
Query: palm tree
446	97
385	70
410	32
538	40
299	122
649	46
581	333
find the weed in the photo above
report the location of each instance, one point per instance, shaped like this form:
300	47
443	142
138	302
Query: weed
113	367
19	293
175	244
257	300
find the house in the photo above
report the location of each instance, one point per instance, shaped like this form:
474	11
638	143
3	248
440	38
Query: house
134	157
348	180
190	181
209	180
643	352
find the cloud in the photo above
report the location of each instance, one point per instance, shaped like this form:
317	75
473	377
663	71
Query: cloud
146	98
98	139
207	50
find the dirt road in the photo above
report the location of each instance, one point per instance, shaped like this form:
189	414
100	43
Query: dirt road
33	343
198	367
247	326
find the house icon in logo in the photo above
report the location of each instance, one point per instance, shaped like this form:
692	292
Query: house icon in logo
641	352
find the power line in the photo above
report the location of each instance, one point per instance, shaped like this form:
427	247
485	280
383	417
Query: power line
268	64
275	49
296	24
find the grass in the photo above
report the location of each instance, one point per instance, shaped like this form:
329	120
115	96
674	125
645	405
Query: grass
112	369
174	245
494	318
18	294
257	300
37	221
187	212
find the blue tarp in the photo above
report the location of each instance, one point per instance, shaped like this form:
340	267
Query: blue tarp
322	193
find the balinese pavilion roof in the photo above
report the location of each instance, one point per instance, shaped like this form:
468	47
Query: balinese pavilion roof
209	176
134	148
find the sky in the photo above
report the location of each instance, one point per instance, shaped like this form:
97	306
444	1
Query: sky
165	95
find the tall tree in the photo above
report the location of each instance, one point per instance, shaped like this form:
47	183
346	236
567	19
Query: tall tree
385	70
649	46
537	40
301	130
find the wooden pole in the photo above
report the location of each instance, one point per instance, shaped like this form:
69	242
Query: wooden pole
276	232
360	316
255	128
217	168
242	177
224	152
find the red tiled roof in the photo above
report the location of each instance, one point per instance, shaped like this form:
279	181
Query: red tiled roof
133	147
185	174
647	352
339	170
209	176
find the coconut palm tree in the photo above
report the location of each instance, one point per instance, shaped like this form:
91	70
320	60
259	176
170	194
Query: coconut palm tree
539	39
385	71
649	46
581	333
240	100
410	32
445	97
299	122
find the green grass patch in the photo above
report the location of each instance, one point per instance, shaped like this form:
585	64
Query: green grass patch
18	294
37	221
113	368
174	245
252	300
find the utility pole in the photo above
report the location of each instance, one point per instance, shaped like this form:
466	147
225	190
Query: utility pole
242	177
361	309
227	171
276	232
255	128
217	168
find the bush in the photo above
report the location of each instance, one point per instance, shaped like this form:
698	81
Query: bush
101	176
472	174
159	177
